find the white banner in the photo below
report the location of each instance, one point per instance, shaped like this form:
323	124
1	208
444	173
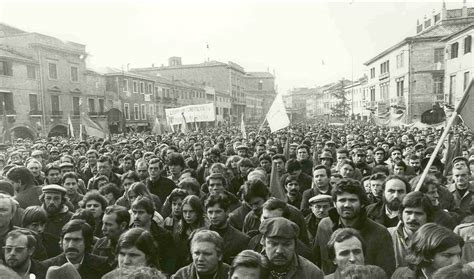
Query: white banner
276	117
192	113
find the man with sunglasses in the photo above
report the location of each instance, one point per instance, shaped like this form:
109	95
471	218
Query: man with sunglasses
20	245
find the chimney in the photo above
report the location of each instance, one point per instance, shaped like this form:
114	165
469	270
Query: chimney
444	11
464	9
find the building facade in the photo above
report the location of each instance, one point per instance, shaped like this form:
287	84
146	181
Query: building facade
260	92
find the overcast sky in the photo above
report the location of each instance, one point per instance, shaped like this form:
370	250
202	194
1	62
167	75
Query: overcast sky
292	38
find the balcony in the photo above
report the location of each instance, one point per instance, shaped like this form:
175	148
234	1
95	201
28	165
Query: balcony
384	75
56	113
36	113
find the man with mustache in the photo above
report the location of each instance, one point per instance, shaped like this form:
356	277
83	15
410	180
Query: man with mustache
415	211
385	212
54	202
292	191
20	245
279	242
76	241
349	200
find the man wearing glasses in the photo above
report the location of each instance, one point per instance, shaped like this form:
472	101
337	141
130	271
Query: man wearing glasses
20	245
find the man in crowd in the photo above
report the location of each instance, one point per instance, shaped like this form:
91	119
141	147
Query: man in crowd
279	242
114	223
20	244
207	249
385	212
26	192
292	191
320	186
76	241
346	247
90	170
319	206
217	209
70	183
157	183
349	199
462	189
54	202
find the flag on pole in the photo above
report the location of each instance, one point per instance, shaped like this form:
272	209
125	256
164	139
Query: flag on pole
92	128
196	125
451	153
70	127
465	106
242	128
6	126
184	128
276	116
157	127
81	132
276	190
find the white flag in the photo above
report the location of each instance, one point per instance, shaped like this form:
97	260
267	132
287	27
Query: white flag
242	128
70	127
276	116
184	128
157	127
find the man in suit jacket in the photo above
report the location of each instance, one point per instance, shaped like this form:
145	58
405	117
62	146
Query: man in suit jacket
76	241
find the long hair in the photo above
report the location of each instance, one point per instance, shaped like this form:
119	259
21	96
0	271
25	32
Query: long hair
195	203
143	241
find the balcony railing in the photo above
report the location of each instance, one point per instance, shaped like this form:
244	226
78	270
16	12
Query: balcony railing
36	112
56	113
384	75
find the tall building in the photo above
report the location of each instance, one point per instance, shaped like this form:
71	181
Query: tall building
295	102
410	74
260	92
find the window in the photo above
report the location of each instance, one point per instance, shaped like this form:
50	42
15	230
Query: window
91	105
76	106
260	85
217	111
438	85
142	87
372	72
384	67
467	78
135	86
6	68
400	87
452	88
74	75
52	70
454	50
101	106
136	112
150	88
55	104
400	61
30	71
151	109
126	110
125	85
8	99
34	103
438	55
372	93
467	44
384	94
143	111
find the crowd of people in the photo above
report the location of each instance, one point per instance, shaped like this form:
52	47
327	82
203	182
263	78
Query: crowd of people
309	201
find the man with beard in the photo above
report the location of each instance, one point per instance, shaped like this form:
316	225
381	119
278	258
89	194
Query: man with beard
52	174
414	163
76	241
358	157
54	202
254	193
320	185
217	211
114	222
279	242
293	167
349	200
292	191
415	211
20	245
385	212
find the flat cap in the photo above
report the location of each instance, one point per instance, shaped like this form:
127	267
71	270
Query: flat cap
66	165
320	198
326	155
37	153
242	146
460	158
294	144
54	188
54	149
279	227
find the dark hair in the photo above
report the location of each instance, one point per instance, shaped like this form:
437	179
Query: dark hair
130	175
51	166
398	177
290	178
340	235
217	176
378	176
265	157
245	162
33	214
70	174
86	215
322	167
429	180
279	156
121	213
274	203
30	236
215	199
110	188
105	159
351	186
293	165
250	259
144	202
140	189
254	188
343	151
428	240
80	225
418	199
22	175
176	159
143	241
190	183
196	204
177	193
455	271
96	196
